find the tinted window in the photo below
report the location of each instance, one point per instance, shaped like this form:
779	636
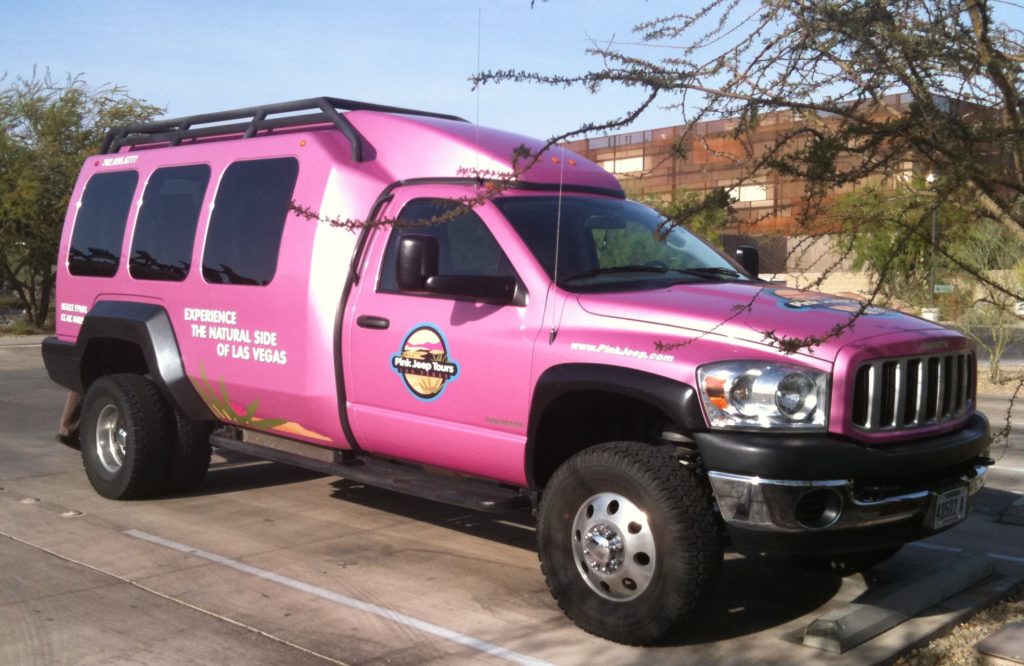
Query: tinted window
247	221
99	226
166	228
465	246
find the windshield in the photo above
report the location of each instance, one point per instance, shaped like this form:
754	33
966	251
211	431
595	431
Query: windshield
612	244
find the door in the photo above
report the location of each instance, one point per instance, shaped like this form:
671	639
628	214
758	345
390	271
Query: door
434	377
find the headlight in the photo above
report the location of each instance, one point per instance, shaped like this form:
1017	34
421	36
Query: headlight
756	394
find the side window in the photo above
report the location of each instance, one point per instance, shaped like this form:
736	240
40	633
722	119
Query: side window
166	229
248	217
99	225
465	246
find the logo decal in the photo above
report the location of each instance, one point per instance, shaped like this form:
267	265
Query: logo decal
120	161
796	299
424	364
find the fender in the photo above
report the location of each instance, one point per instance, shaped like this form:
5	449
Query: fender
679	401
146	325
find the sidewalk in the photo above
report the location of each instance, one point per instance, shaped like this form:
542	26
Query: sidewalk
21	340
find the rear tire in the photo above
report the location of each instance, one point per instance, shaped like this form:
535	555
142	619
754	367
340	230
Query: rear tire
190	455
126	436
628	542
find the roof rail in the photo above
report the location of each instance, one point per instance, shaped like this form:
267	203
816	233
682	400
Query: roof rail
254	119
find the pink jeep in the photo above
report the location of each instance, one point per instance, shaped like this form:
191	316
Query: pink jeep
553	344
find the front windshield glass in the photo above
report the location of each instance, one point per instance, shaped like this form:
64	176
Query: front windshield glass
612	244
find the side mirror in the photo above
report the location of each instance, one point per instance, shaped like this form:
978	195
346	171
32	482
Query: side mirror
749	259
417	261
416	270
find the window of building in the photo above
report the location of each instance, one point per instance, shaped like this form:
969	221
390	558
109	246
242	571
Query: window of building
99	225
465	246
247	223
623	165
752	192
166	229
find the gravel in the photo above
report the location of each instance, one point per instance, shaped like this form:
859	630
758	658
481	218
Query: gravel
956	648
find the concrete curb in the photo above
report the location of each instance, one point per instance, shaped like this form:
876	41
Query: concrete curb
1013	514
1003	648
21	340
853	624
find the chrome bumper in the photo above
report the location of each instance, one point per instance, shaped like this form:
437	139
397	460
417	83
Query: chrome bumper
777	505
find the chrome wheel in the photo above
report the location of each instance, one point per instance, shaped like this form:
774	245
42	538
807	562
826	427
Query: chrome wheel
111	438
613	546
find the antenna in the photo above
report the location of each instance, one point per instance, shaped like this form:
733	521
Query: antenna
558	241
479	32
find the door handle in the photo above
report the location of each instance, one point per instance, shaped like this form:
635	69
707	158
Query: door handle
370	321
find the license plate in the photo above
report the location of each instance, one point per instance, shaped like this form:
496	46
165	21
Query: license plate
949	508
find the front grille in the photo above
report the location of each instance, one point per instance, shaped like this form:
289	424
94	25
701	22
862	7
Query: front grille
902	393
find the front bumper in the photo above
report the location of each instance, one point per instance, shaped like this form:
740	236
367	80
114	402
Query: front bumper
827	508
823	495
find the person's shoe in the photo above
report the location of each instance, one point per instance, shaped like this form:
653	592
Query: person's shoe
71	441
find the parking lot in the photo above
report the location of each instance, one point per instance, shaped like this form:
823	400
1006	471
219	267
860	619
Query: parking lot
271	564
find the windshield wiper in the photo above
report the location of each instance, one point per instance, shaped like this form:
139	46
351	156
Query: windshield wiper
709	271
594	272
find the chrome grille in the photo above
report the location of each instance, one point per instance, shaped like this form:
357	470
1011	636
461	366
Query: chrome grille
902	393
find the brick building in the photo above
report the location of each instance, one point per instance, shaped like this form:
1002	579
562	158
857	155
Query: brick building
649	165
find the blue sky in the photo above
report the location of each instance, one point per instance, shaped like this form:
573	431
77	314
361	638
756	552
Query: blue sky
192	57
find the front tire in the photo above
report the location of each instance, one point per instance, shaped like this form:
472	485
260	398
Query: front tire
126	436
627	541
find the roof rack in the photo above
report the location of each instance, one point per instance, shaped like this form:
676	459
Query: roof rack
255	119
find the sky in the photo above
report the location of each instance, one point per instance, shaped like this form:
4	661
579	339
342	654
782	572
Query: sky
192	56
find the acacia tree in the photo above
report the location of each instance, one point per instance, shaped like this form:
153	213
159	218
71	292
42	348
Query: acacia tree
990	318
47	129
831	64
888	230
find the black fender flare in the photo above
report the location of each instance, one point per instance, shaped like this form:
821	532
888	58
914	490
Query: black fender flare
678	400
144	324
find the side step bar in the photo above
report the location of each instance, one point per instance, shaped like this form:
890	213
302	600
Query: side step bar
460	491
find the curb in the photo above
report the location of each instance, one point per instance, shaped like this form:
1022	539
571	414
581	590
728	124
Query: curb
1013	514
21	340
856	623
1003	648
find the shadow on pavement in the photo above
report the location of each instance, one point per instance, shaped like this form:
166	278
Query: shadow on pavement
241	472
754	592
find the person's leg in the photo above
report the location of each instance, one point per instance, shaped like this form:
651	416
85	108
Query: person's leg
70	421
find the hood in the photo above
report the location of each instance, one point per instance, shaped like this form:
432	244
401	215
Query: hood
748	311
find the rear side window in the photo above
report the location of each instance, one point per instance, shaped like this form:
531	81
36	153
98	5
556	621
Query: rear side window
99	226
248	217
166	229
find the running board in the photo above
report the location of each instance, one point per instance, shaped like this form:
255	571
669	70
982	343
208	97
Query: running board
469	493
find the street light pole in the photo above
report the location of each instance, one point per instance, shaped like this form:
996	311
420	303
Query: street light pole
932	279
931	178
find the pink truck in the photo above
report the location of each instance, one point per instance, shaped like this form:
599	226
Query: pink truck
525	339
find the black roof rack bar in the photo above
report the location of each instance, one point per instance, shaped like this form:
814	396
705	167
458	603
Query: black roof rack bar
175	137
175	130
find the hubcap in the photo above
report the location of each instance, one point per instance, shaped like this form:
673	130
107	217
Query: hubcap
613	546
111	439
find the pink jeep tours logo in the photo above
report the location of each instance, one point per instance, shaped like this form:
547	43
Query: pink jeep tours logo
424	364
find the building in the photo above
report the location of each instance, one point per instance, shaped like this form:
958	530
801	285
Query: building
652	163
